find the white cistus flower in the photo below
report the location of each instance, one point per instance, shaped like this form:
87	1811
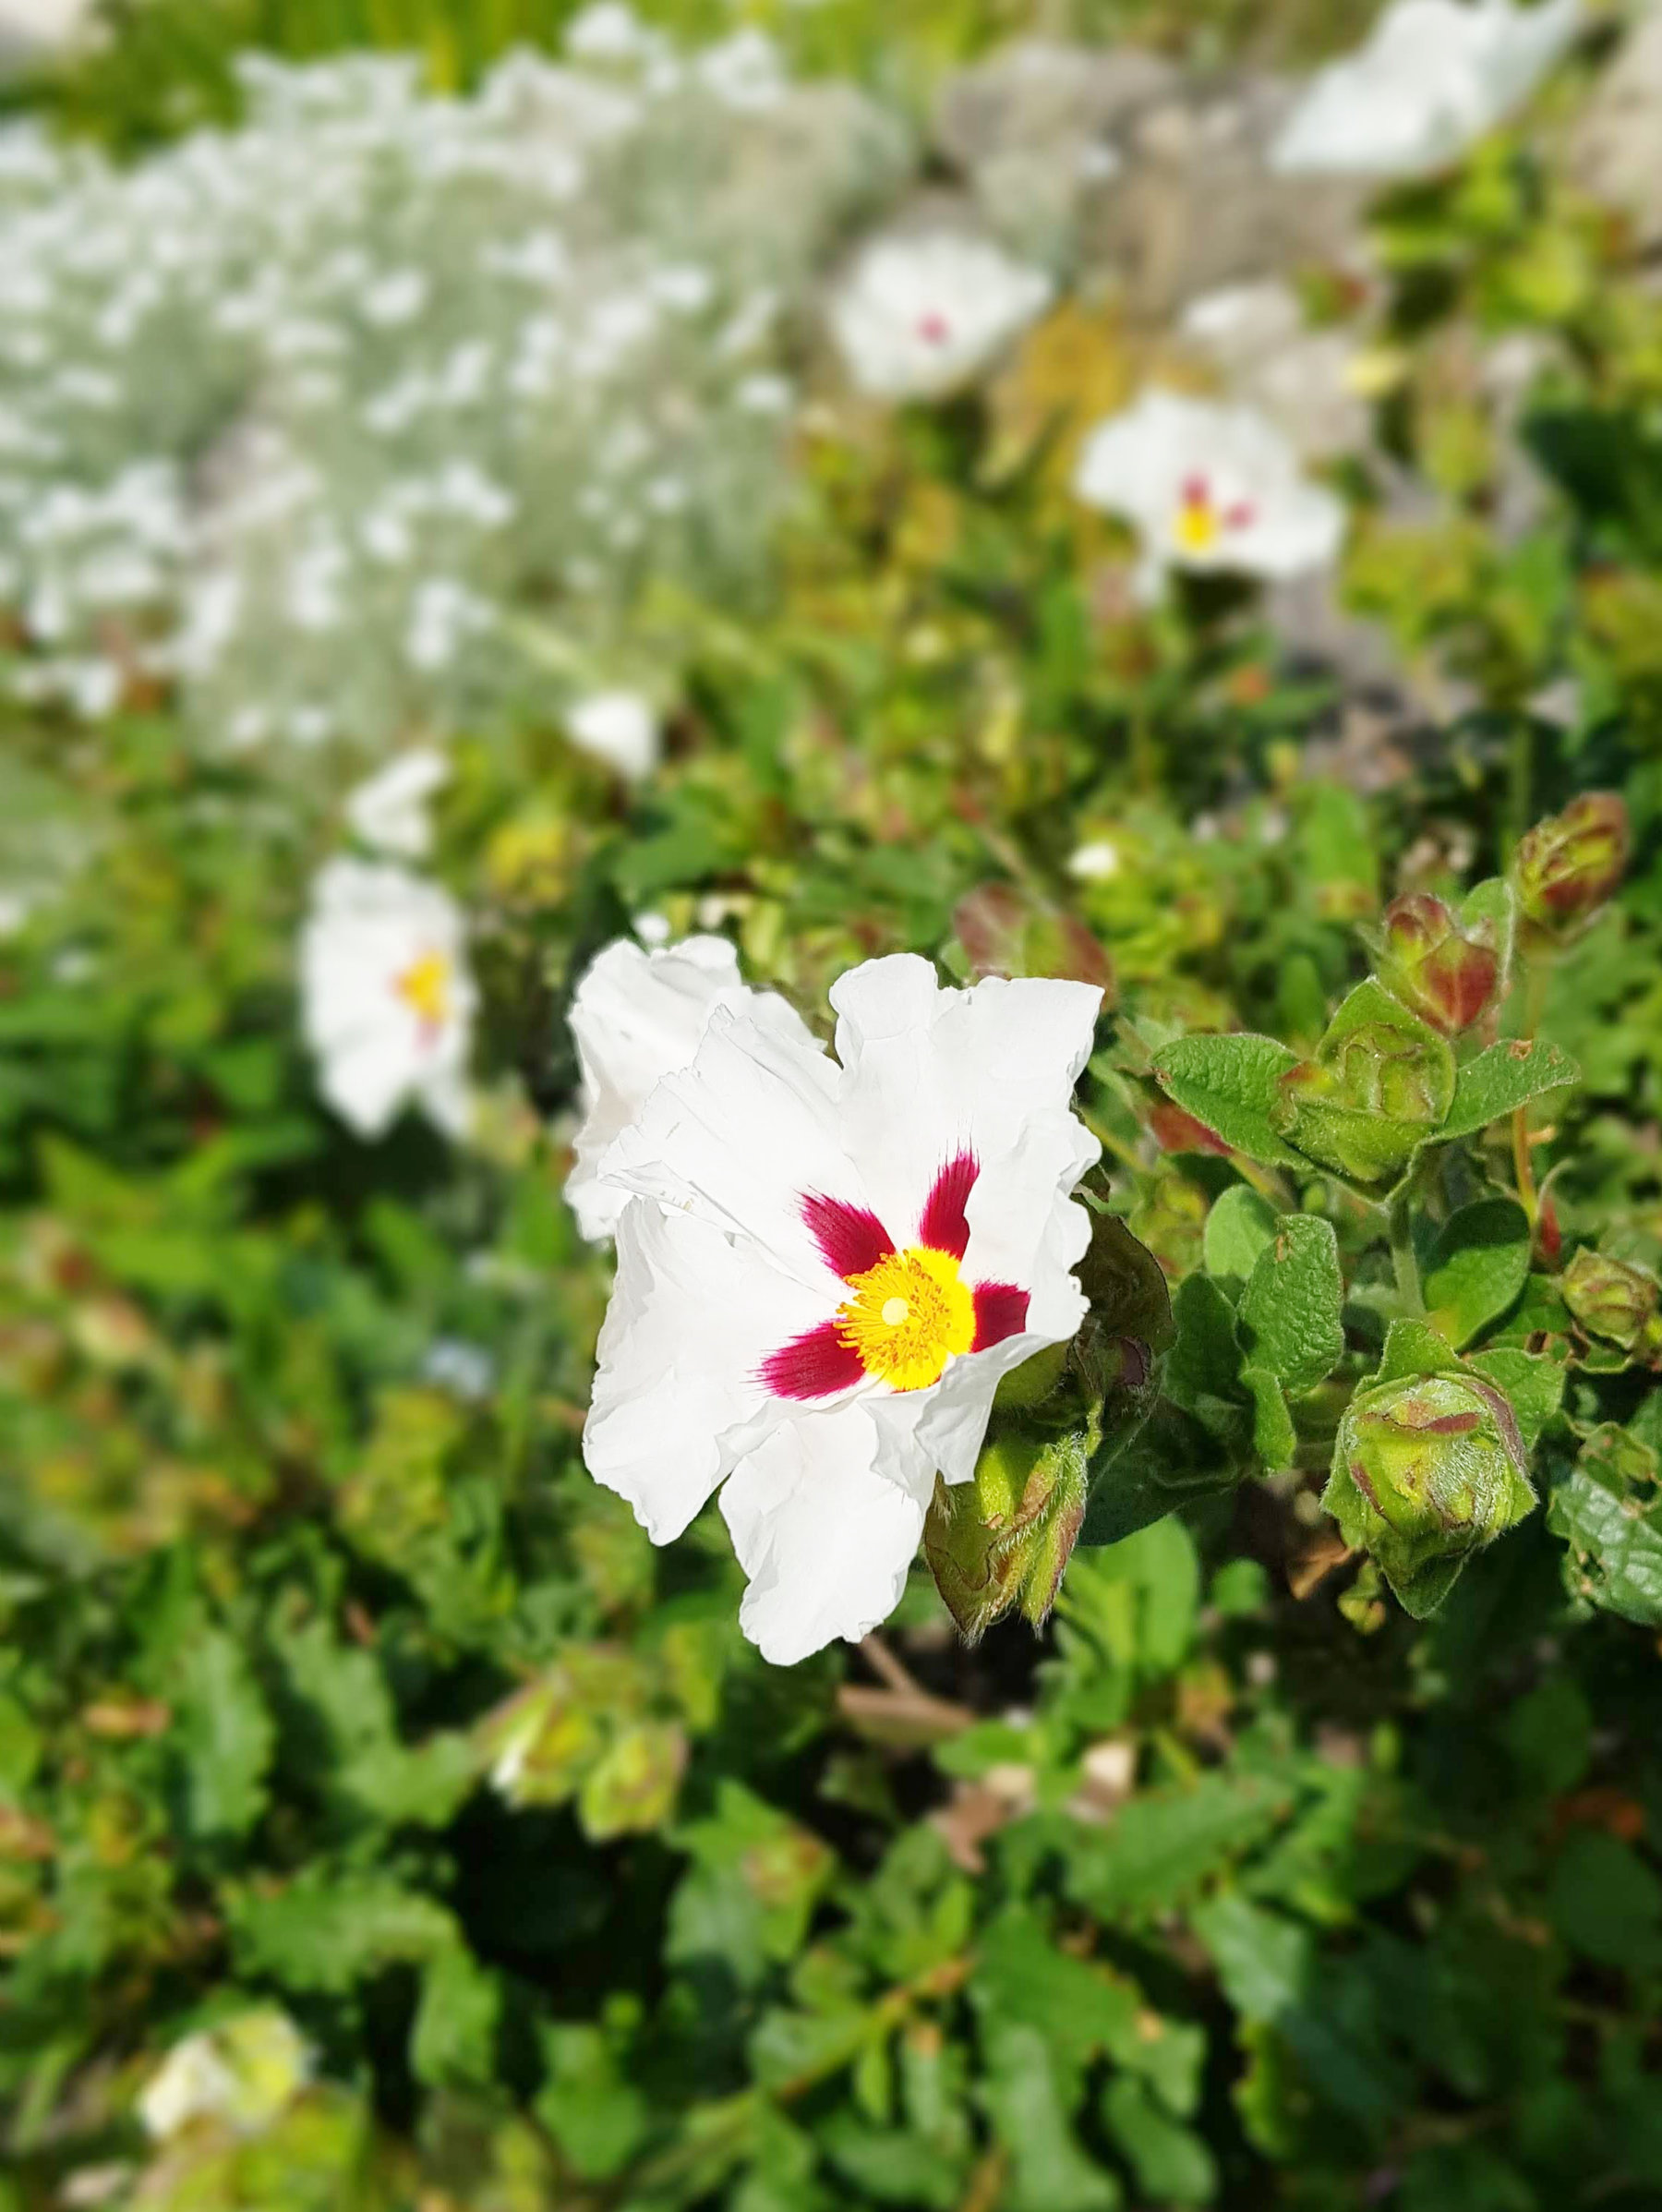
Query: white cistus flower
389	1002
1208	487
241	2073
1433	76
638	1016
825	1269
390	812
616	727
921	314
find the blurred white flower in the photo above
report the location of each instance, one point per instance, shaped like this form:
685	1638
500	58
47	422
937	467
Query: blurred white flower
397	297
636	1017
243	2072
466	1371
1094	862
825	1271
1433	76
1208	487
43	22
389	1002
920	315
619	728
390	812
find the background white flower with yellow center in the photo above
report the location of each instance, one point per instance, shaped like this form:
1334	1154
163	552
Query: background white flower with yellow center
389	1002
828	1265
1433	75
638	1016
390	812
921	314
1208	487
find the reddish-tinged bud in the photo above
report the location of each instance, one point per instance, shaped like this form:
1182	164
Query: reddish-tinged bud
1448	976
1614	1299
1568	866
1424	1474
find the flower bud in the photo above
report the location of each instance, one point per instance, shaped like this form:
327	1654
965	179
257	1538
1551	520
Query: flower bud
1567	867
1425	1472
1614	1299
1371	1096
1446	974
1005	1538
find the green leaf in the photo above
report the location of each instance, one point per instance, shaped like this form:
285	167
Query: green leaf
1237	1229
1231	1084
327	1929
1274	1438
1164	1843
1606	1902
596	2115
1477	1267
1171	1462
1050	2172
1172	2163
223	1736
1081	2009
1203	1370
454	2036
1503	1079
1609	1510
1288	1318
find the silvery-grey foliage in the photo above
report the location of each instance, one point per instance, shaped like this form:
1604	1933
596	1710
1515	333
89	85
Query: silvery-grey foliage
375	412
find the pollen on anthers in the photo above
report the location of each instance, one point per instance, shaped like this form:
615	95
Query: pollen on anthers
908	1311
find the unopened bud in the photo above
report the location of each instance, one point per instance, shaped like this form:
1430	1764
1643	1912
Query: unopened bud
1368	1100
1615	1300
1005	1539
1569	865
1446	974
1424	1474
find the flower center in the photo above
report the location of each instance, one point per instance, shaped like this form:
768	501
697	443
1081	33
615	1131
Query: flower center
1200	522
907	1316
934	328
425	987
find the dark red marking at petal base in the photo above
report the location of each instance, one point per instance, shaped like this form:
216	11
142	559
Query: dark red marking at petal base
1000	1310
815	1365
943	1227
852	1238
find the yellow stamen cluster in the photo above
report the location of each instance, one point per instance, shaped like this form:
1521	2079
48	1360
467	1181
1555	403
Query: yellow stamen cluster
907	1316
1196	527
425	987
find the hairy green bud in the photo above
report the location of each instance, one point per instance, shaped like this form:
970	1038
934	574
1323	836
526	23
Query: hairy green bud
1569	865
1380	1084
1425	1472
1005	1539
1615	1300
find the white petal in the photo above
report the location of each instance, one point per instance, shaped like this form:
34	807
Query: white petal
390	812
825	1540
637	1018
740	1138
931	1073
619	728
677	1397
